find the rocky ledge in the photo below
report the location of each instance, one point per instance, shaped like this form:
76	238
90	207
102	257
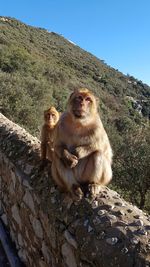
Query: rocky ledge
104	231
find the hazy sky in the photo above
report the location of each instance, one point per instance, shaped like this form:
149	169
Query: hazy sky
117	31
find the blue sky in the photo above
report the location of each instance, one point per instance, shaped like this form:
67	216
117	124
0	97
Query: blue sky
117	31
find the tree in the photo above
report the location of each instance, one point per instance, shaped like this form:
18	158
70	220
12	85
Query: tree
132	166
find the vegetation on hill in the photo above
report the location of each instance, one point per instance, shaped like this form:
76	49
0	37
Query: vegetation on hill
40	68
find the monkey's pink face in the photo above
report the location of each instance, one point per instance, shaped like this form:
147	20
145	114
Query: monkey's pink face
81	105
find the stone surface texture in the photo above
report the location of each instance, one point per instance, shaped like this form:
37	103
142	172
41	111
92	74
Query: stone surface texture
49	229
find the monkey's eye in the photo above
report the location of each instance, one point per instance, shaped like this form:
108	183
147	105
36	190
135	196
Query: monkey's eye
88	99
79	98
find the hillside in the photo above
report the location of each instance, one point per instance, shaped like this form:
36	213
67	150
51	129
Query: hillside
45	66
40	68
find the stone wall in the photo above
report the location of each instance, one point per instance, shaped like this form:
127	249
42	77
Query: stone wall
49	229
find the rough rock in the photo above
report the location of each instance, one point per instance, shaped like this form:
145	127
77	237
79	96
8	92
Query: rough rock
49	229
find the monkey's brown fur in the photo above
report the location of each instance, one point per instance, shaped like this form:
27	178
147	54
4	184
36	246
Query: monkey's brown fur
82	151
51	117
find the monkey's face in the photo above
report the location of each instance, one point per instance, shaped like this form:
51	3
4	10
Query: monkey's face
82	104
51	116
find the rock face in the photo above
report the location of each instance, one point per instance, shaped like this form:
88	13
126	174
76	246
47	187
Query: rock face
49	229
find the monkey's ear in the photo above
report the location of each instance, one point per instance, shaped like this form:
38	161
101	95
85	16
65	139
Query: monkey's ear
74	91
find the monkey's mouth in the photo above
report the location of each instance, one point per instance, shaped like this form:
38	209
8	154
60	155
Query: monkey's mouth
50	122
79	113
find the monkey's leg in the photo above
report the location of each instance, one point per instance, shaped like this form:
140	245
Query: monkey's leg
107	172
96	172
43	150
65	179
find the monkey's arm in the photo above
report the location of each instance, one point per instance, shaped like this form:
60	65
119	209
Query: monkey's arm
85	150
61	150
98	142
87	145
68	158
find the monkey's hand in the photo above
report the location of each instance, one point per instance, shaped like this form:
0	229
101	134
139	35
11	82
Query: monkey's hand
84	150
69	159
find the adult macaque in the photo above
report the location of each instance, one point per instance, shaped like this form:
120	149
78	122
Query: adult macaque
51	117
82	152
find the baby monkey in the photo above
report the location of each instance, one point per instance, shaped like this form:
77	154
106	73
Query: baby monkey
51	117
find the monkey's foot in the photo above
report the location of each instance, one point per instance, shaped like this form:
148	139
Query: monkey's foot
94	189
77	193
